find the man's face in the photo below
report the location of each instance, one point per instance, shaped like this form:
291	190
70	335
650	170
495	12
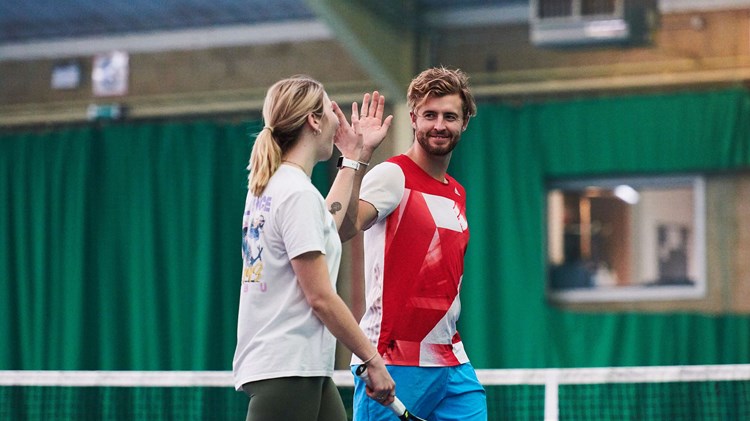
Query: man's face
438	124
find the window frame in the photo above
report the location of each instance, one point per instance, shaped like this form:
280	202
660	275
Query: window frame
635	293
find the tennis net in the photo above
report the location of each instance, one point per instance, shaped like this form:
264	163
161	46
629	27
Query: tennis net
706	392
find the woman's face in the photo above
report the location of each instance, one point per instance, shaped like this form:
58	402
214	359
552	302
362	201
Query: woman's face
329	123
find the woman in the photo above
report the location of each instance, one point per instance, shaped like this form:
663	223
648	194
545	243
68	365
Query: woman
290	314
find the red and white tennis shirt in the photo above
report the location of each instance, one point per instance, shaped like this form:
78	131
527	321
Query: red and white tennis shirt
414	263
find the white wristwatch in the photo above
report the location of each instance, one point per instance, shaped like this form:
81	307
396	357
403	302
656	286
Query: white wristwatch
347	163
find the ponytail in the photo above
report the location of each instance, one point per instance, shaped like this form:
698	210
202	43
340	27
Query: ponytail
265	159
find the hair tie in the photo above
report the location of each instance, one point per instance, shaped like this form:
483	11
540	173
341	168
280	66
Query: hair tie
269	128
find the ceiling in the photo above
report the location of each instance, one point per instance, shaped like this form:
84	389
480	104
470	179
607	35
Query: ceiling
36	20
44	29
23	21
31	29
28	21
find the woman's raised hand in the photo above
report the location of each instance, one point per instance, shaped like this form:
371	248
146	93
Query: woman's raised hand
368	129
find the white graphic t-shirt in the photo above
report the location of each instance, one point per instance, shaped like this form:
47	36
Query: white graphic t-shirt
278	335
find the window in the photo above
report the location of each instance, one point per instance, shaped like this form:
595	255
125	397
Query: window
626	239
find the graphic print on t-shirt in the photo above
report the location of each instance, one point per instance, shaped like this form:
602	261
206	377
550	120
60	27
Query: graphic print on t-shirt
252	248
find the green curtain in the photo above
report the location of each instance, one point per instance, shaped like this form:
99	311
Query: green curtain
504	160
121	246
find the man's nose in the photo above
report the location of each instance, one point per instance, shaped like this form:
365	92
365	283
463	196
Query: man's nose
440	123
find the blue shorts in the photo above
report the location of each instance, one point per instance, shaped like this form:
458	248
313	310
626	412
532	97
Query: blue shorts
432	393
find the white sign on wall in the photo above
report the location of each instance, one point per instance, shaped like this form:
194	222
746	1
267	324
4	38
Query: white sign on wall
109	75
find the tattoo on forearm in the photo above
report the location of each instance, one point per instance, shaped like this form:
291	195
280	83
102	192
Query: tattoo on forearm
335	207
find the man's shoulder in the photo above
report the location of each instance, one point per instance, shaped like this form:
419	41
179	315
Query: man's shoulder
387	168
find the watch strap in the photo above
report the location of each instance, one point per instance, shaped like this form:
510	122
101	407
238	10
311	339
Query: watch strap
347	163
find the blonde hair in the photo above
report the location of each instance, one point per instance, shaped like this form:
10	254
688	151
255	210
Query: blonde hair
287	104
438	82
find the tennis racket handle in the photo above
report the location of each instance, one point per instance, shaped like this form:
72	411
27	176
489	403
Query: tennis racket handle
397	407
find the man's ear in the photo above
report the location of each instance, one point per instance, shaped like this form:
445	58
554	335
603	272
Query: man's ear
466	124
413	118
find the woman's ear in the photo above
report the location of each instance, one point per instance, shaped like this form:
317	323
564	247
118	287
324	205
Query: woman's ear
314	122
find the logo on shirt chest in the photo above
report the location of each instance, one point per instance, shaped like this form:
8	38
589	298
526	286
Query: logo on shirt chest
444	212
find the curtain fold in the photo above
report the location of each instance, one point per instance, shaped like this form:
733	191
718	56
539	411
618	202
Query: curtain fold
121	246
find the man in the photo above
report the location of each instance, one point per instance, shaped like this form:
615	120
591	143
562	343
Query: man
415	240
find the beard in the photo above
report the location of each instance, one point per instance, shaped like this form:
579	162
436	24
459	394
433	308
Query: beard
441	150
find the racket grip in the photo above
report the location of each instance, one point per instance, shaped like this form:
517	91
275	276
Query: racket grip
397	407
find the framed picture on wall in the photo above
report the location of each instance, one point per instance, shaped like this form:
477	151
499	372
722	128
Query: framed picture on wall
109	74
626	239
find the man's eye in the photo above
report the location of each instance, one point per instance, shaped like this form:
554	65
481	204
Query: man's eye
451	118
